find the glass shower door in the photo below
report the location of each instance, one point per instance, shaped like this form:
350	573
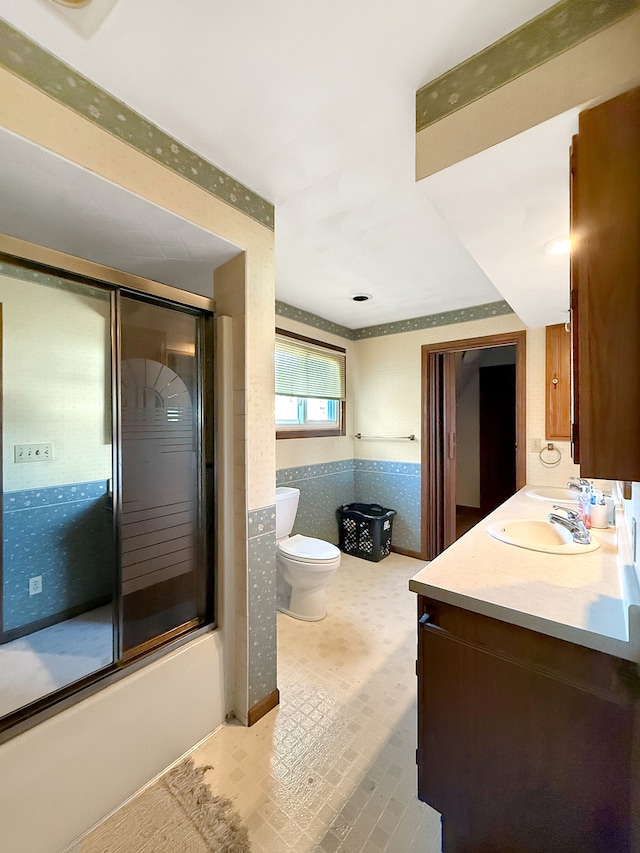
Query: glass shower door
163	542
58	582
106	482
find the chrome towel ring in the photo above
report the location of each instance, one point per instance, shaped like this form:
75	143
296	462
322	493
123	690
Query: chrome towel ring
553	460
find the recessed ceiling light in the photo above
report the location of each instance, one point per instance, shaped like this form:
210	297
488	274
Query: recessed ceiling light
361	297
557	246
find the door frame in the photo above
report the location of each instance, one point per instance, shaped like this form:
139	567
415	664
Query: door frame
436	498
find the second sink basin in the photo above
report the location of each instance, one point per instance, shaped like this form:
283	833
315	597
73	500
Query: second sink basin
557	494
539	535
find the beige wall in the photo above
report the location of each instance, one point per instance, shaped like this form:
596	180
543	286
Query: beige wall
385	390
389	391
40	362
537	473
601	67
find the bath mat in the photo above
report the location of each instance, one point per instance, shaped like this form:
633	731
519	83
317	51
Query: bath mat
177	814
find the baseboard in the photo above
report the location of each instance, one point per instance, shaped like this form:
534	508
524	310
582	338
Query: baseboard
263	707
406	553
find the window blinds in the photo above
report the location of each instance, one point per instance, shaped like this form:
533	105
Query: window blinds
304	369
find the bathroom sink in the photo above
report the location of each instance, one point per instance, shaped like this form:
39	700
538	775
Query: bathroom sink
556	494
539	535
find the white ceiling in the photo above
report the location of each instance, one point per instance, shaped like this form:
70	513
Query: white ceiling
506	204
313	107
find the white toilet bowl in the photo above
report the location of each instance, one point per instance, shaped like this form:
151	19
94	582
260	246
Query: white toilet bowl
305	565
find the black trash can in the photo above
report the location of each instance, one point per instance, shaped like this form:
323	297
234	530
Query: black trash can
365	530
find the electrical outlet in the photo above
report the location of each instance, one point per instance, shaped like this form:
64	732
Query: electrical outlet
536	445
33	452
35	585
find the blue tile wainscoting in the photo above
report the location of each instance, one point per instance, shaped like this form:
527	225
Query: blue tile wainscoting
323	488
65	535
328	485
395	485
261	594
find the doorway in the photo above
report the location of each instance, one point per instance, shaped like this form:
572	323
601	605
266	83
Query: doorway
473	433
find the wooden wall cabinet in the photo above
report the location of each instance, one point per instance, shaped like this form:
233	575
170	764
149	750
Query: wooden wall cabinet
525	743
605	289
558	384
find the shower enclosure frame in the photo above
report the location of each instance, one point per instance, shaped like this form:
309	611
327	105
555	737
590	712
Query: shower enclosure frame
20	252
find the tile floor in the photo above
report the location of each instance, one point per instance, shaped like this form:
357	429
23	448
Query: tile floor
333	767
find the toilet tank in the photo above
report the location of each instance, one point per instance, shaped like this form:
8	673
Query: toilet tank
286	508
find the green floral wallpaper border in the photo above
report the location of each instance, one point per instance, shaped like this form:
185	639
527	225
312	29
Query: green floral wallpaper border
544	37
300	316
445	318
41	69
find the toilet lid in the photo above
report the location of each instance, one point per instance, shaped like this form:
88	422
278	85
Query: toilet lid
306	548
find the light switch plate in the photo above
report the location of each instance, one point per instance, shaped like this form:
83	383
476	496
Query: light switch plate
33	452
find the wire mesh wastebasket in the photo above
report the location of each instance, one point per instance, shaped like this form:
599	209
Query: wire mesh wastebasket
365	530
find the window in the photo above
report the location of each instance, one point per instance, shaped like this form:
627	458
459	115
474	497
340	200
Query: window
310	387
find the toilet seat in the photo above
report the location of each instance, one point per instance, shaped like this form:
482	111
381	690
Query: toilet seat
306	549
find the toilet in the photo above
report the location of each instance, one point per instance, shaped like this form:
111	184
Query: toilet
305	565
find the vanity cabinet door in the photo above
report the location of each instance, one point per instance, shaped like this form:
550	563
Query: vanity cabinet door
525	743
558	383
606	288
574	277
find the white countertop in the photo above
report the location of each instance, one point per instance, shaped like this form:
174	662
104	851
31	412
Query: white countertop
589	599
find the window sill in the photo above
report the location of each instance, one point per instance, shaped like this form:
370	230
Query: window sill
309	433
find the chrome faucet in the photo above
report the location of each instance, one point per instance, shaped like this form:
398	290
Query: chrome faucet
578	484
571	522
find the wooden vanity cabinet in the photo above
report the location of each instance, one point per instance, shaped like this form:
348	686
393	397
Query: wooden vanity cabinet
526	743
605	289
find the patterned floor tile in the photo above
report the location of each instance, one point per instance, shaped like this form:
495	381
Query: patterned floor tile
333	767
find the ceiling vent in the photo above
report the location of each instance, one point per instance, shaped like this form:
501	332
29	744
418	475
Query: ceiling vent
85	16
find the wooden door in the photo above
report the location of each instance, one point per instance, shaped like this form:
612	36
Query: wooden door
442	456
439	433
449	449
